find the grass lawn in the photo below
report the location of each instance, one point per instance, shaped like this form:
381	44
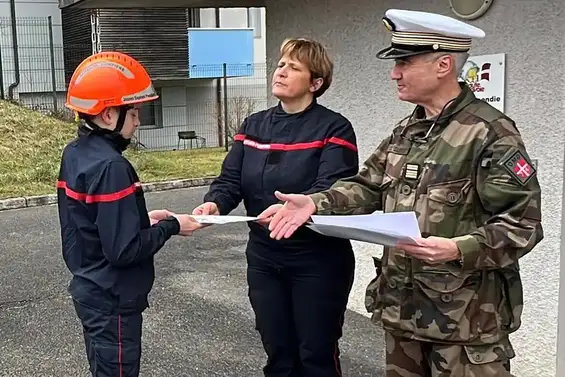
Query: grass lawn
31	146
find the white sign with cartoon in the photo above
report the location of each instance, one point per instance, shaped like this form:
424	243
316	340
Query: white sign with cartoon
485	75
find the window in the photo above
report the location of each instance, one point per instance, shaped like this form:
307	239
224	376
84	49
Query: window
254	21
151	113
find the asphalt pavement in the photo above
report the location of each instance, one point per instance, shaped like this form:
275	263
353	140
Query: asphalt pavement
200	322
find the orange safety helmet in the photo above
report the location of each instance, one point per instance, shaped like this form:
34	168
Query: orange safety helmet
108	79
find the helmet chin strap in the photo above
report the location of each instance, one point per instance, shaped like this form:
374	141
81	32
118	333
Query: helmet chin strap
114	134
122	118
122	142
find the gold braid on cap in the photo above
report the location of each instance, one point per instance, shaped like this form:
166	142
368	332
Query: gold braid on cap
438	41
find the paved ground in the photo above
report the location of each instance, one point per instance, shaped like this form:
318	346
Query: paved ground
200	322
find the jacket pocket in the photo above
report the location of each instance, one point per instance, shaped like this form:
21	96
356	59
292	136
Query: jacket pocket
372	302
499	352
510	307
456	308
389	188
445	208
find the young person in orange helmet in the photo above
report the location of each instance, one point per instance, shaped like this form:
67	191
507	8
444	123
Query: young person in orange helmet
108	237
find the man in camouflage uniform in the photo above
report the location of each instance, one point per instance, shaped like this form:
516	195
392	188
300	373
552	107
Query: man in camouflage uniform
447	304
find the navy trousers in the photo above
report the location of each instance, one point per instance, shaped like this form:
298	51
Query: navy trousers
113	342
299	299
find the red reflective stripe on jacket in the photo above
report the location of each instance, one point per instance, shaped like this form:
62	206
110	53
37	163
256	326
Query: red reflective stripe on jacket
98	198
295	146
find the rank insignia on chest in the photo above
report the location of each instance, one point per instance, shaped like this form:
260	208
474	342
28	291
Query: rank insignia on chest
518	166
411	171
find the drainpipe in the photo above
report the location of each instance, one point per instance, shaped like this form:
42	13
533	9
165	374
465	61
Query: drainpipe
219	93
15	47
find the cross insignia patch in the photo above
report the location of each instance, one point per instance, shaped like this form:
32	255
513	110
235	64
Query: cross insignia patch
519	167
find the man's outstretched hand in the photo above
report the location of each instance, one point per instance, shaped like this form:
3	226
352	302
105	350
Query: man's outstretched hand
284	220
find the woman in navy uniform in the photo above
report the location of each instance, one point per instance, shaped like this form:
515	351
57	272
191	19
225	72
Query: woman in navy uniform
298	287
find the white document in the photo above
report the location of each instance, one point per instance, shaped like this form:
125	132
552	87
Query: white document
379	228
214	219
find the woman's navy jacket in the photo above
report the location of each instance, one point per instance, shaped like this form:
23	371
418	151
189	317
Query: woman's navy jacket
292	153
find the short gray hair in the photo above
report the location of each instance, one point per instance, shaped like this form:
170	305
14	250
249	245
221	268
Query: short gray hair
460	58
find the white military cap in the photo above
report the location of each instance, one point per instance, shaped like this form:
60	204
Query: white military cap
416	33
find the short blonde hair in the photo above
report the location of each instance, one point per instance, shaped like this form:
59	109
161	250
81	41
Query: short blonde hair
312	54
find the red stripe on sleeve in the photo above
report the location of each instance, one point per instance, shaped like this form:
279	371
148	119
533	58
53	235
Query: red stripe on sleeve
99	198
343	143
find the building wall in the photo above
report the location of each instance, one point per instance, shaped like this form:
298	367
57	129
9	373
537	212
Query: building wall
192	105
32	8
239	18
561	323
530	33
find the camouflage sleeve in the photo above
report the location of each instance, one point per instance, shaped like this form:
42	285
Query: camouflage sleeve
510	193
359	194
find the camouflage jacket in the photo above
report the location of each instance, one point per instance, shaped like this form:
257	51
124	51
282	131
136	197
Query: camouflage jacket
470	180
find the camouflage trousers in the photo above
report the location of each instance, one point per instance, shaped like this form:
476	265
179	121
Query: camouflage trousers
412	358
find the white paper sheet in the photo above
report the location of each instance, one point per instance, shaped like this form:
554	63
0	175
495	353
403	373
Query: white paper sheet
379	228
213	219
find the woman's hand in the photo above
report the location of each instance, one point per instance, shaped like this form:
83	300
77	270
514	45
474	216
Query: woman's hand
208	208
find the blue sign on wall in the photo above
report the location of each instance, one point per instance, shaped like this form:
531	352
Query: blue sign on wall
209	49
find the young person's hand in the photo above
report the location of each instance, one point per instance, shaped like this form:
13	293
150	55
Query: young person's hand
158	215
187	224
